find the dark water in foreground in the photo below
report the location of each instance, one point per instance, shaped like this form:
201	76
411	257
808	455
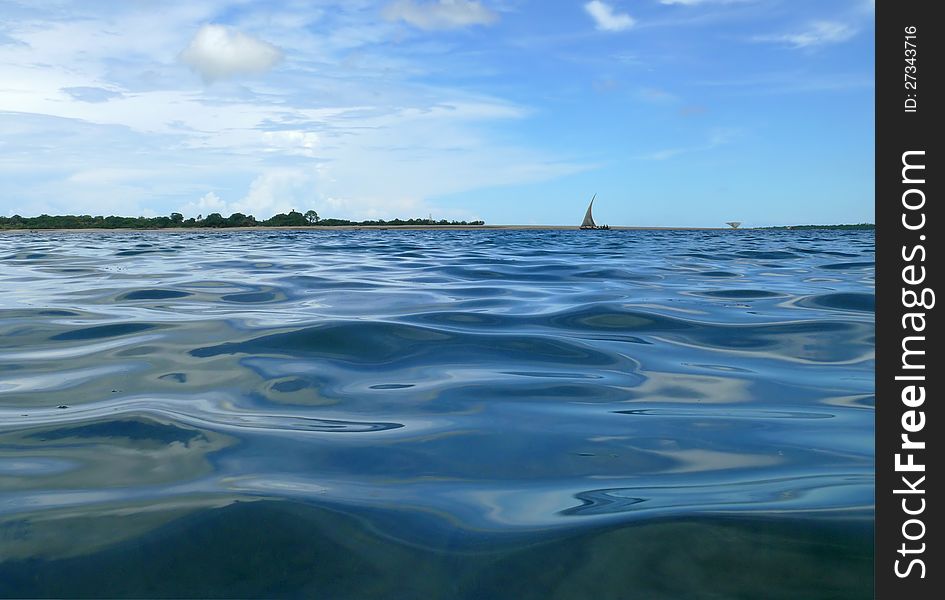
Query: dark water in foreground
618	414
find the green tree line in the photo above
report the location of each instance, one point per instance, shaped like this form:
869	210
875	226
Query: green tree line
177	221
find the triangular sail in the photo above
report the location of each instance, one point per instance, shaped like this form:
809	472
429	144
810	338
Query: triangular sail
588	217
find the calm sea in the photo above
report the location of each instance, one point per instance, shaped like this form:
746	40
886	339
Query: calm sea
437	414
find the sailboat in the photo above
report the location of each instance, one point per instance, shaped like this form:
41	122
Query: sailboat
589	218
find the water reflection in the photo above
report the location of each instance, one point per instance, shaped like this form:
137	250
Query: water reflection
326	410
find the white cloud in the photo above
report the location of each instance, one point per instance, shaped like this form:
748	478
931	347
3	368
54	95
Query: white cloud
91	93
818	34
98	116
219	52
440	14
107	176
298	142
278	191
207	204
605	17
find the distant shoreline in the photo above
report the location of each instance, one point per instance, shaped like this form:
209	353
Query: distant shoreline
427	227
365	227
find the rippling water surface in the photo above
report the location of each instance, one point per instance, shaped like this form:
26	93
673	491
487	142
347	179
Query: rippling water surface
428	414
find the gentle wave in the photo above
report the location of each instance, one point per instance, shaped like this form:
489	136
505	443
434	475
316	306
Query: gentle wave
506	383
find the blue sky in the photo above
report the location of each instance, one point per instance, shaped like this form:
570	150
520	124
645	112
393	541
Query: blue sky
675	112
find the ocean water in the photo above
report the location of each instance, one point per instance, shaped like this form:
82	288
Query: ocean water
437	414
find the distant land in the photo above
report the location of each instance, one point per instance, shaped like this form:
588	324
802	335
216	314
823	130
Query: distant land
856	226
211	221
310	219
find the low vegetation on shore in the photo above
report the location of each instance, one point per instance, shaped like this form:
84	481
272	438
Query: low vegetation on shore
847	226
177	221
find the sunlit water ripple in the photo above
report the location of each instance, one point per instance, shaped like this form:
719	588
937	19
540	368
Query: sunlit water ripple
484	403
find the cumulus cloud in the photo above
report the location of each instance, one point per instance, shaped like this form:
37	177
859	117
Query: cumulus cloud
441	14
606	19
818	34
279	191
205	205
219	52
272	192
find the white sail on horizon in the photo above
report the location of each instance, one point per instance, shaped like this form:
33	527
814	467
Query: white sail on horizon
588	217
